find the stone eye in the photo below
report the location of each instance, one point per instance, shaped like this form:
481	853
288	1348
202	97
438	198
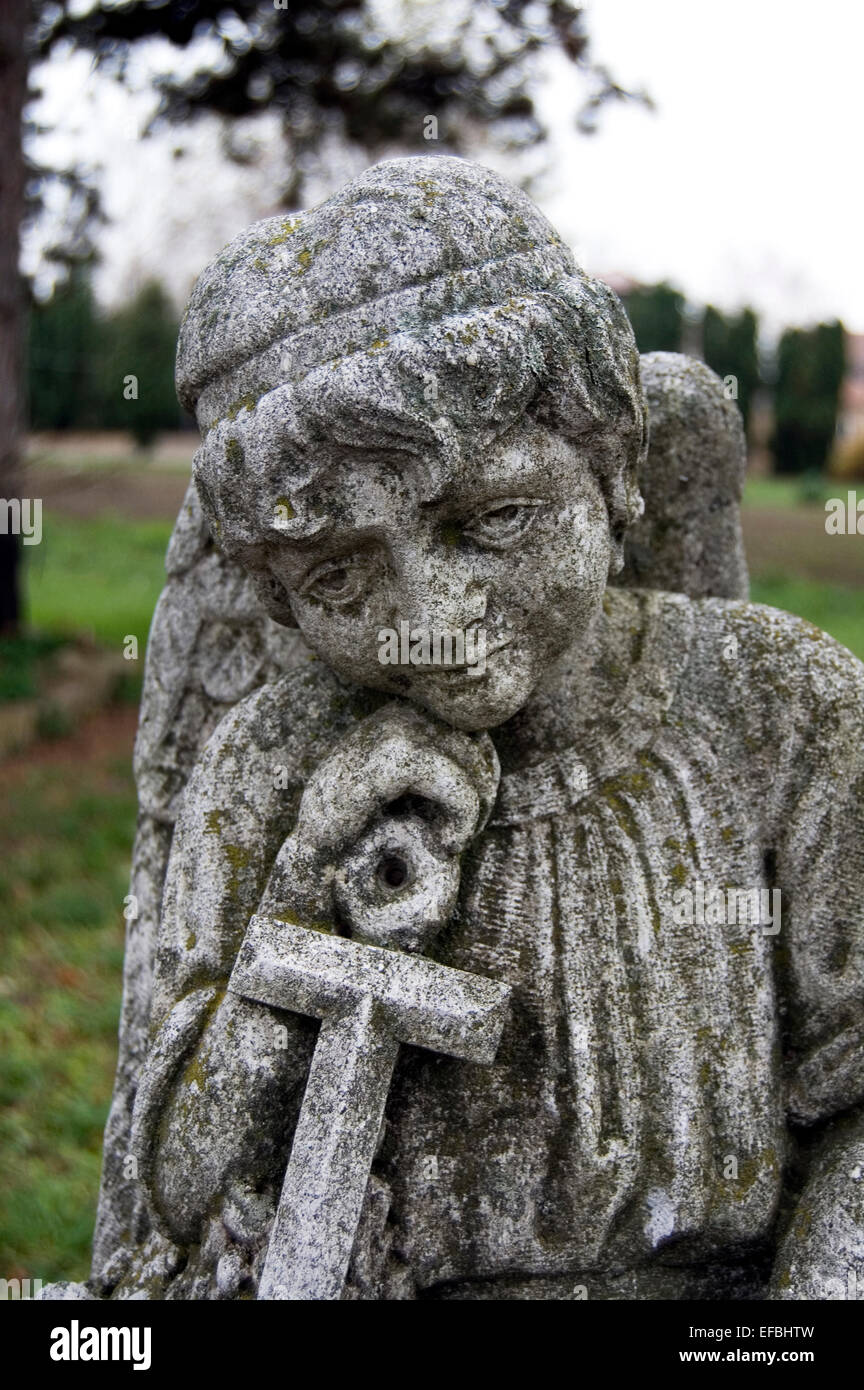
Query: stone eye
503	523
336	582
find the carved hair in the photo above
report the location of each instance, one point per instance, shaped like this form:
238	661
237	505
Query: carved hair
441	347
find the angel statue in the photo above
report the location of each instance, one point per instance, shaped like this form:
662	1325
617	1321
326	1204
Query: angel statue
419	416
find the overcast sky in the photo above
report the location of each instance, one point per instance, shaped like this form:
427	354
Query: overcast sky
744	185
747	183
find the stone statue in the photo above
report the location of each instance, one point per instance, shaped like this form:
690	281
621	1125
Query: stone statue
498	867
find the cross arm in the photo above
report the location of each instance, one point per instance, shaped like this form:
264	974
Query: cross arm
419	1001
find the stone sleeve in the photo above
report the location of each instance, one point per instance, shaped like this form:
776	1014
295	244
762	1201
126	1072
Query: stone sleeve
213	1098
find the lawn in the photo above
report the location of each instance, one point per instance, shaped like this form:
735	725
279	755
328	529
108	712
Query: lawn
796	565
788	493
99	574
67	821
66	829
835	609
104	573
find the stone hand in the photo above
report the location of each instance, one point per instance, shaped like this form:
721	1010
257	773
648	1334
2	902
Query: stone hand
382	822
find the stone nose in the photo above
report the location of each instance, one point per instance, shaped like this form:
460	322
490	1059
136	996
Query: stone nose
439	591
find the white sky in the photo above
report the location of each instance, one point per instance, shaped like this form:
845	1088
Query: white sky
745	185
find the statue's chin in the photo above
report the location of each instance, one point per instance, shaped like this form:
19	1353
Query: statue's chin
473	703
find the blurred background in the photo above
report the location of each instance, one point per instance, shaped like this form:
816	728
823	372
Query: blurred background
700	158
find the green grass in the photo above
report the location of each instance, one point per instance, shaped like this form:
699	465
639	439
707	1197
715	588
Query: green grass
66	833
104	575
63	877
101	575
780	577
786	493
836	610
20	660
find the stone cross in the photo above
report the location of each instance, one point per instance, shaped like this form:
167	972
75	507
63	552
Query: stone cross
369	999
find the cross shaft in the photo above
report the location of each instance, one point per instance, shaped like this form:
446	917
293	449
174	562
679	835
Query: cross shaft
370	1000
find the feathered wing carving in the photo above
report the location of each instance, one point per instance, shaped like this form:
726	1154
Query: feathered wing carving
211	643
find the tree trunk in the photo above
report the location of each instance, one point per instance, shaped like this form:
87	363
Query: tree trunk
14	19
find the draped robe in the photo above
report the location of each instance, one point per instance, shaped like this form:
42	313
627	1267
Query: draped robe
632	1138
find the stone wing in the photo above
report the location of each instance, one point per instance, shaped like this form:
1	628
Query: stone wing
689	540
210	644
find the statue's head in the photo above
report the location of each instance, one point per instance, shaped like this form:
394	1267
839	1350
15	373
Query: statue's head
415	409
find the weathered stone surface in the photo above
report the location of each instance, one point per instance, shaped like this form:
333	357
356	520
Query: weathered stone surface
415	408
65	1292
369	1000
689	538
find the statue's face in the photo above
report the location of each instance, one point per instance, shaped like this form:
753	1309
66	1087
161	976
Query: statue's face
514	543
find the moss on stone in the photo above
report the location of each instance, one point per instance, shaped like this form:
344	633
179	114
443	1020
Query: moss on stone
288	228
234	452
238	857
247	401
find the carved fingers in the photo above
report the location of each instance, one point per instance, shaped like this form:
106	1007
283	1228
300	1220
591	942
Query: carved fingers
381	824
400	752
